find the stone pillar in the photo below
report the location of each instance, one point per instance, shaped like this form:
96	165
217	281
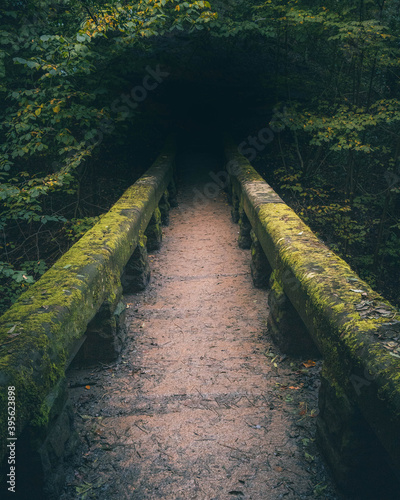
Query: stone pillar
42	450
172	192
154	231
106	332
287	328
260	267
357	459
235	206
136	274
164	207
59	445
228	190
244	239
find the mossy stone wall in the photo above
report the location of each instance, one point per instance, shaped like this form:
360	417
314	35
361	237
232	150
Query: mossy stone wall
39	332
327	295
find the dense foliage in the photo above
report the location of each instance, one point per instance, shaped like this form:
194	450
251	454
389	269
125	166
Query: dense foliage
75	75
342	166
336	123
65	67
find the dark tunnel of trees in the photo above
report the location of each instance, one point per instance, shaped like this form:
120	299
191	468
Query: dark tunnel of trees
91	88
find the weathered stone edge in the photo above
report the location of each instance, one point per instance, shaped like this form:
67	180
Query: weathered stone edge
39	331
321	287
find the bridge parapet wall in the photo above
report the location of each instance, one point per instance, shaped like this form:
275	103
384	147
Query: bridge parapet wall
314	293
79	297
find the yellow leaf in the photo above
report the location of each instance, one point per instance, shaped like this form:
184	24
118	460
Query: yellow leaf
38	111
56	109
177	8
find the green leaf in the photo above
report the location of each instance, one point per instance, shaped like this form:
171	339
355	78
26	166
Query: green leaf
33	64
19	60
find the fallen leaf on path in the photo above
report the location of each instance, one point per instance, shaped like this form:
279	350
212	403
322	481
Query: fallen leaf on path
302	408
87	387
309	363
308	457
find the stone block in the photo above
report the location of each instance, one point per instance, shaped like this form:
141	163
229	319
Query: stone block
164	207
172	192
260	267
357	459
244	239
105	333
154	231
136	274
285	325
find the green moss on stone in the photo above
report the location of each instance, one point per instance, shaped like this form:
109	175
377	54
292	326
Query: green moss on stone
39	330
323	289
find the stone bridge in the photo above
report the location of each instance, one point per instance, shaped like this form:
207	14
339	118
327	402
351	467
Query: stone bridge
315	306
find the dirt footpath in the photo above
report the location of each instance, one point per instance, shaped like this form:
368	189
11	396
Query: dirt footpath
201	404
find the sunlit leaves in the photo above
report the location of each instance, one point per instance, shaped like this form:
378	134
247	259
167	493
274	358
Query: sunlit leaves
146	18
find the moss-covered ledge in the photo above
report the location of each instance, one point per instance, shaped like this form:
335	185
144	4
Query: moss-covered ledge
329	298
39	332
